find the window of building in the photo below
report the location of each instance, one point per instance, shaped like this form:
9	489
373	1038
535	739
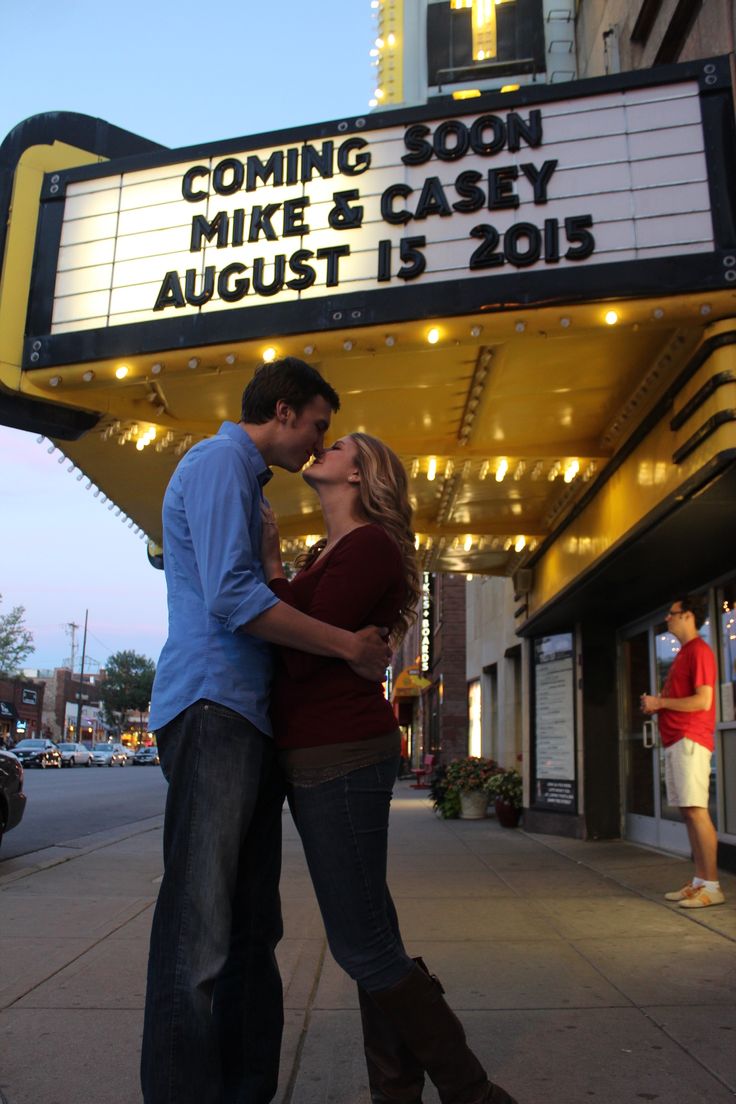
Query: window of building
510	41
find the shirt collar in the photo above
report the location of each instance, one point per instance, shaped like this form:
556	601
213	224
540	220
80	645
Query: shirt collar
241	438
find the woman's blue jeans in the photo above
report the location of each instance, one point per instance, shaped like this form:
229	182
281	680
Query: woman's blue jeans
343	826
214	1009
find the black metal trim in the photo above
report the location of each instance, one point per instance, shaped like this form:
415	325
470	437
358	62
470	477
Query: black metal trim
655	415
63	423
495	294
702	395
706	430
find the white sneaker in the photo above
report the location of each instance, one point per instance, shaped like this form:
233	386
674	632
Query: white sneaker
702	898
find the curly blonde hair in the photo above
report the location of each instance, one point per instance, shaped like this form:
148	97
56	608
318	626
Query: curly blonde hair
384	499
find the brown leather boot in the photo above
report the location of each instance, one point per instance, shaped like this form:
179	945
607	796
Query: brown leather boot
394	1075
435	1036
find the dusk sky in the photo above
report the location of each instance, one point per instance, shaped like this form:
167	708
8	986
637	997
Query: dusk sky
178	74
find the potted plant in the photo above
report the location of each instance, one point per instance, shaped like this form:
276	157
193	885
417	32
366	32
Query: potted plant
467	779
446	802
505	788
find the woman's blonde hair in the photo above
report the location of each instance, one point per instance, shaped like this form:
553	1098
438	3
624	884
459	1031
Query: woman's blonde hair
384	498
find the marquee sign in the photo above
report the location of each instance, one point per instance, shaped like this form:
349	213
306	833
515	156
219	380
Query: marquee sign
358	223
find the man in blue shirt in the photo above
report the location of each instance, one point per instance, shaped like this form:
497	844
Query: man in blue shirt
214	1014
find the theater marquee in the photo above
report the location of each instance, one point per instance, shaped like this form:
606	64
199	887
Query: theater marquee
403	216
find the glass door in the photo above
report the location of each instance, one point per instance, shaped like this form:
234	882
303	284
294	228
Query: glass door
645	657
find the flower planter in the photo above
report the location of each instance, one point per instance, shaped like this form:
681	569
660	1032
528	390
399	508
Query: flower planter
507	815
473	804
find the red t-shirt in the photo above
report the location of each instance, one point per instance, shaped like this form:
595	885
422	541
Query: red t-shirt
317	700
693	666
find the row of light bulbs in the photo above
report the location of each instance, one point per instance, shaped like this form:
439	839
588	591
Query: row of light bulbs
467	543
432	335
568	469
96	492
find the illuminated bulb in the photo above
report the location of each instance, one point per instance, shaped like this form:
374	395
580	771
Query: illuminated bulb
269	355
510	87
571	471
468	543
433	335
373	53
449	469
520	544
431	468
121	372
140	445
379	93
414	468
484	469
501	470
88	376
391	39
373	102
610	318
380	43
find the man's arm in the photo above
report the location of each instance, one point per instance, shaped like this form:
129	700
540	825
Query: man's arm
366	651
702	699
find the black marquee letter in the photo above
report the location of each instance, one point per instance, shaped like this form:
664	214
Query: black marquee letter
170	294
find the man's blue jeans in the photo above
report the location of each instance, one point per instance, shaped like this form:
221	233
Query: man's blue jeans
214	1009
343	826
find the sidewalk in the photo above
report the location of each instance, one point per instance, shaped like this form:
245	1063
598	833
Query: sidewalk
575	980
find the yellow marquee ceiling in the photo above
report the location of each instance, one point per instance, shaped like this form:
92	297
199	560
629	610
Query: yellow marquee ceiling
502	424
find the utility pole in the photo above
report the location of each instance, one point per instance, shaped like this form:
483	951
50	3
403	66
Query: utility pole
81	677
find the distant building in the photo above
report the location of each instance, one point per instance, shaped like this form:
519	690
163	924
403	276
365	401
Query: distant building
21	709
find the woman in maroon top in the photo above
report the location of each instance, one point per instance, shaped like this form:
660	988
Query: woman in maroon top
339	747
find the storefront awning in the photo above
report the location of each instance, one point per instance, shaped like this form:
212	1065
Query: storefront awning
409	684
7	711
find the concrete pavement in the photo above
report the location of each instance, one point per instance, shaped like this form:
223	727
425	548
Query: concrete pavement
575	980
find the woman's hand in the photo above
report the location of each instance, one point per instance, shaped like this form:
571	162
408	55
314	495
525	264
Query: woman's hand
270	545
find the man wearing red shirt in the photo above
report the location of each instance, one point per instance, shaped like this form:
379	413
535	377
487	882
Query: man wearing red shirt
687	720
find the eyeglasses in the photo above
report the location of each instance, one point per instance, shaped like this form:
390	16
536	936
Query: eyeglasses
675	613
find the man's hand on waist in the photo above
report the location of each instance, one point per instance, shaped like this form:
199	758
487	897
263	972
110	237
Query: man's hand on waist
372	653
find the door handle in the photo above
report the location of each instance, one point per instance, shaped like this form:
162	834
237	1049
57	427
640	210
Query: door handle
647	734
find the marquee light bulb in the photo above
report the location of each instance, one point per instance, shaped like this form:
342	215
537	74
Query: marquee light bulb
121	372
610	318
433	335
503	467
269	355
431	468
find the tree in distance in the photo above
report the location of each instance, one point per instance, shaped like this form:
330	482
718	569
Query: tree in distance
16	642
127	686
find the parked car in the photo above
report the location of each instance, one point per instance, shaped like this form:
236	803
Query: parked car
109	755
146	756
12	798
129	752
74	755
38	753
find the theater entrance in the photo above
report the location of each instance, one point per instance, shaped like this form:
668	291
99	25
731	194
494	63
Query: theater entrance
645	656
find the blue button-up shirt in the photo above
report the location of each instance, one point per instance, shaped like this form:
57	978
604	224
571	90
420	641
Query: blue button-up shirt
215	582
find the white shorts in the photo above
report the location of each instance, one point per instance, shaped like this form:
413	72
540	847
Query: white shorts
687	774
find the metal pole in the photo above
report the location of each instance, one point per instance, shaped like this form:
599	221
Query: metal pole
81	679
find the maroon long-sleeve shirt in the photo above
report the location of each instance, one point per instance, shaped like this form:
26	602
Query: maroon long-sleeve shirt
317	700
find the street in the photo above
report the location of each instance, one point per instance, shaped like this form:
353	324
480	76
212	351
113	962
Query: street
66	804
